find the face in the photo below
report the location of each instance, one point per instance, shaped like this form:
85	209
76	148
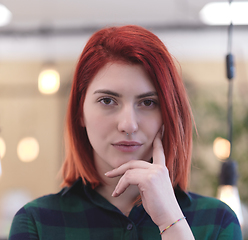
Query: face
121	115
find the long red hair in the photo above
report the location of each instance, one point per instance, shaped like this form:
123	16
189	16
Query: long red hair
135	45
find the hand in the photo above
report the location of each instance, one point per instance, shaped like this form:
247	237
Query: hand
154	184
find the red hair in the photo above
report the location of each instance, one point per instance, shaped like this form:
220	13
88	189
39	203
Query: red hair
135	45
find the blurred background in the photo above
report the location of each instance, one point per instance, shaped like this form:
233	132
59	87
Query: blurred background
39	35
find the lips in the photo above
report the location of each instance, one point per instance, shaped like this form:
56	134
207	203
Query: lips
127	146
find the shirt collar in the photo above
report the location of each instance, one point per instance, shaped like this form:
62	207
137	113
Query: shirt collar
76	187
136	215
184	199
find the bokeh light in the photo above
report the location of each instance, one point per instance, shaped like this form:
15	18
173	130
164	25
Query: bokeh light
28	149
49	81
221	148
5	15
2	148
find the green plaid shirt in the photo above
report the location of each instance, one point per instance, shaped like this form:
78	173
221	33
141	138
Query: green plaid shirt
79	212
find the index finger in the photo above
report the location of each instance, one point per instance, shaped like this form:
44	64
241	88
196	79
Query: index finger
158	150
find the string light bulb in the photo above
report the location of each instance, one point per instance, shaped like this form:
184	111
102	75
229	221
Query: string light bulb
228	191
223	13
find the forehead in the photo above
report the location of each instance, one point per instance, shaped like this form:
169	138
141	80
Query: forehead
122	76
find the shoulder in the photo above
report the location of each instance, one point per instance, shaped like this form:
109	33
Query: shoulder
221	213
51	204
50	201
207	202
33	211
208	214
44	211
24	223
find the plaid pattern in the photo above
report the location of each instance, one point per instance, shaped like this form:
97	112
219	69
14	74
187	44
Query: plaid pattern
79	212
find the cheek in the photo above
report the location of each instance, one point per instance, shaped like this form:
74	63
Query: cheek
94	132
154	125
97	127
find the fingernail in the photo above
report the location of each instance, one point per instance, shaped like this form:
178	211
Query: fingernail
114	194
107	173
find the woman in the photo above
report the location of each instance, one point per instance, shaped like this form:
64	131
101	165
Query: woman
128	140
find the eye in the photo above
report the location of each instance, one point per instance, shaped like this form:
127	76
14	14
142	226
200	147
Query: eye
149	103
107	101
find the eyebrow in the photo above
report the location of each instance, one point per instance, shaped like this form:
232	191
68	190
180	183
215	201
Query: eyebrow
108	92
148	94
115	94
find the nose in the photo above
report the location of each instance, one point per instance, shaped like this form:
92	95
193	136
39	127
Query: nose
128	122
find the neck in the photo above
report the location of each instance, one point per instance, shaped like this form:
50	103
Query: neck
125	201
